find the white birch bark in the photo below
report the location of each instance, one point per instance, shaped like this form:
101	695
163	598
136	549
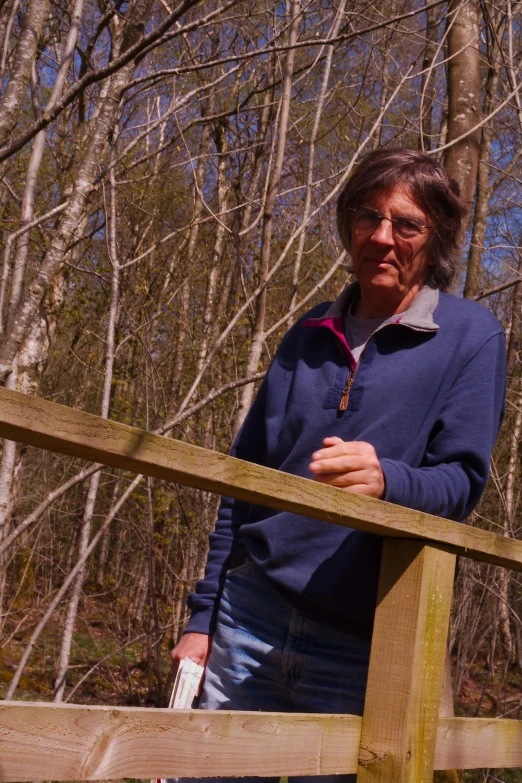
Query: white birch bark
72	609
36	344
104	546
219	242
184	298
339	19
509	522
258	335
23	59
71	220
464	109
483	192
6	34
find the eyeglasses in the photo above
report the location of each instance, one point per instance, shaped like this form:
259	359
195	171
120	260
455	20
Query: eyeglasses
403	226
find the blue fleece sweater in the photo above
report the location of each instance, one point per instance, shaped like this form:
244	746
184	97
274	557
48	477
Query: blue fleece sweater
427	393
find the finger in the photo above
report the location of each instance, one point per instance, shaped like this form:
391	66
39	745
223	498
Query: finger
360	489
338	447
351	446
338	450
339	464
331	440
344	480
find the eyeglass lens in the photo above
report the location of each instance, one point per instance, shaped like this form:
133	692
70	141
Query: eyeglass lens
402	225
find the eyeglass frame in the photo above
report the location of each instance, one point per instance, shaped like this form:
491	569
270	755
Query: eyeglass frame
423	229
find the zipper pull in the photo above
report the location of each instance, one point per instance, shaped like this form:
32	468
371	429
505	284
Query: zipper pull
343	405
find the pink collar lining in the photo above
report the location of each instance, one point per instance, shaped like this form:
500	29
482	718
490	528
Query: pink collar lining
336	325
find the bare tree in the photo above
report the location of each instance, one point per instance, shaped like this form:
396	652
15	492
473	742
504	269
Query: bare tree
464	91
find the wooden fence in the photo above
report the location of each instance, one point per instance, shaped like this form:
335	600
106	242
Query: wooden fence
401	737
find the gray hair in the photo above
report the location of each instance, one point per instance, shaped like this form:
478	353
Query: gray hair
435	192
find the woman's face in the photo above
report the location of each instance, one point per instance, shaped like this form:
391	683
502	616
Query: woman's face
389	261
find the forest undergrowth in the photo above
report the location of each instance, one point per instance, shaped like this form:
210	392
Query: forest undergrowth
106	669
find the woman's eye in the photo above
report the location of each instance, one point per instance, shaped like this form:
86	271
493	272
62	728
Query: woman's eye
407	225
369	218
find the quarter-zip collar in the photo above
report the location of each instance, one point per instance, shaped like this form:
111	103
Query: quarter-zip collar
419	315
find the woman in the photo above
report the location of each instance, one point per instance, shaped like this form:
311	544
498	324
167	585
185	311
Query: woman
396	390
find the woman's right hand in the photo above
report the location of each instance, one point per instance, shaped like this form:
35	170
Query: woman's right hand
195	646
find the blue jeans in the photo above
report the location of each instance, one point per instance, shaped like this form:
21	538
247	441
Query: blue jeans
267	655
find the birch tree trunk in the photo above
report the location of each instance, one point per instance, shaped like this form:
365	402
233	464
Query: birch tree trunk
72	609
104	546
35	347
154	636
67	229
483	192
514	327
311	152
258	334
23	60
461	159
509	522
427	81
184	298
222	189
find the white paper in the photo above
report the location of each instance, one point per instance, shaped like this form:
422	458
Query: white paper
184	691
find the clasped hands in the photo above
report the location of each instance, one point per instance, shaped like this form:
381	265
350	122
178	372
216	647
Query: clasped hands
350	465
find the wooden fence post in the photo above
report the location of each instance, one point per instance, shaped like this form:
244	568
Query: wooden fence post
406	664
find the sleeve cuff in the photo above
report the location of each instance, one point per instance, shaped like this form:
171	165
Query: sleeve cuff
200	622
396	484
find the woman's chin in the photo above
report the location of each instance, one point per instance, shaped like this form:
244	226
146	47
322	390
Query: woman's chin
383	278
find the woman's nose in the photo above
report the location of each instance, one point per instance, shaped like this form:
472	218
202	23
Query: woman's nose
383	234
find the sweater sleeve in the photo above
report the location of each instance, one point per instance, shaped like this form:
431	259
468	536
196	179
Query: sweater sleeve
250	445
455	468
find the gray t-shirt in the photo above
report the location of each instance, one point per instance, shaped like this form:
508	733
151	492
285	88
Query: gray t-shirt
359	330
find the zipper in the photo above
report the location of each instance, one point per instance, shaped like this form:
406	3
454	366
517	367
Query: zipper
345	397
343	405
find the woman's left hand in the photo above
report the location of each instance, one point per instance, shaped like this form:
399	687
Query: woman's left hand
350	465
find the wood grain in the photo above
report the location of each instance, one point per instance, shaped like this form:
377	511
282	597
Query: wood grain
73	742
401	711
70	742
59	428
476	743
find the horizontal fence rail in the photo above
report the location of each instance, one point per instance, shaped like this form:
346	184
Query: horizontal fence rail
71	742
400	736
58	428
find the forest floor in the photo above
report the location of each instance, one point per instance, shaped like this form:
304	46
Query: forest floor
117	668
100	669
490	692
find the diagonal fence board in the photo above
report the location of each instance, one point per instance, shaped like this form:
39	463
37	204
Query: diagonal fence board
58	428
74	742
